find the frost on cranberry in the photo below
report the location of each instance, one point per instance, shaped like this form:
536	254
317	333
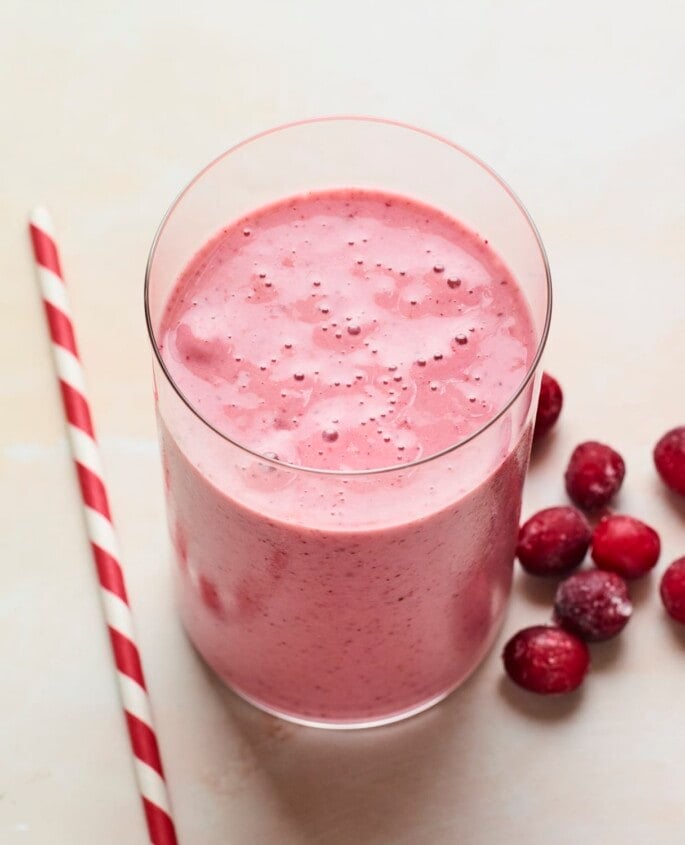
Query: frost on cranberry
546	660
593	604
549	404
594	475
625	545
669	458
553	541
673	590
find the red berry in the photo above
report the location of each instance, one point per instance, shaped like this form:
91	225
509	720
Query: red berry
625	545
553	541
549	404
673	590
545	659
669	457
594	475
594	605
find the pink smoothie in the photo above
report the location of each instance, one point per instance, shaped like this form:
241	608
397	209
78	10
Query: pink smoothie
345	330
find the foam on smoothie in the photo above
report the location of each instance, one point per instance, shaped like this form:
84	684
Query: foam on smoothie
347	329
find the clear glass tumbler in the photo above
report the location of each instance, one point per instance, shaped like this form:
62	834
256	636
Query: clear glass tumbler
377	605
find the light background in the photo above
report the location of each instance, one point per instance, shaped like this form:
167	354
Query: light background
108	108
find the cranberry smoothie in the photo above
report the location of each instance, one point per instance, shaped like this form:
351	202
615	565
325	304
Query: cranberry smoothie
345	331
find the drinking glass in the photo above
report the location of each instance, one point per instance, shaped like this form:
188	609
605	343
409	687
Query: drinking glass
331	598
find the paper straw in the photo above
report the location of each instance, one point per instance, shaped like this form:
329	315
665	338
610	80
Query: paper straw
115	606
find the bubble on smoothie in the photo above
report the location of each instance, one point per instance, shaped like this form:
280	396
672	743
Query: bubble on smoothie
415	293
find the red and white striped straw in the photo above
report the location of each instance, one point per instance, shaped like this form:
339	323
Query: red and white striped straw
115	606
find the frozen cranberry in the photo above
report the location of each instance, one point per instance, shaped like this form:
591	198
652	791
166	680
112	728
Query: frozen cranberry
549	404
669	457
673	590
625	545
545	659
594	475
593	604
553	541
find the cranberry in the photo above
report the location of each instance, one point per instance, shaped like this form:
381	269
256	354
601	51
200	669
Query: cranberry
545	659
673	590
549	404
594	475
625	545
594	605
553	541
669	457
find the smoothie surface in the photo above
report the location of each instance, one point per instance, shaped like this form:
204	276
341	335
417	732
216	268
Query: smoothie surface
347	329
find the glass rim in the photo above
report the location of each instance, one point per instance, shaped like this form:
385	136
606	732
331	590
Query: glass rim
424	459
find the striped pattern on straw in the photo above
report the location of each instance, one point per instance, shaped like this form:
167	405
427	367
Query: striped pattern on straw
116	609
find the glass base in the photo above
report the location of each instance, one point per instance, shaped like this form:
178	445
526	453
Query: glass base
359	724
350	724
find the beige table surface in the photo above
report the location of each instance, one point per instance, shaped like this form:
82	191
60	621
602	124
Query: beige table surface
108	109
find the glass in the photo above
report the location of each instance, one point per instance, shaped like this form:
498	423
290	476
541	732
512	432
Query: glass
378	605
